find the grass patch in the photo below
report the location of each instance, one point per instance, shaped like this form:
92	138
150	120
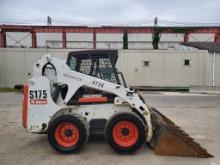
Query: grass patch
2	90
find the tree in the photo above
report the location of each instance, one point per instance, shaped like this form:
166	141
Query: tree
125	40
155	39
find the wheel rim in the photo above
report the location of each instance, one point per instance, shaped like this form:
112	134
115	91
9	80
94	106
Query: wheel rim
67	134
125	133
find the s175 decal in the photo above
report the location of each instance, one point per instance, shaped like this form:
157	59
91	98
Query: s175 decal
38	96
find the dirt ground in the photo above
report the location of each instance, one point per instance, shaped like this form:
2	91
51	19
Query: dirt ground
199	115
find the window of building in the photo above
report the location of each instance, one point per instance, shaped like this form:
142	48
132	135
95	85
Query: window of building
186	62
146	63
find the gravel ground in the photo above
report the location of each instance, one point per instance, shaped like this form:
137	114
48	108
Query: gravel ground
199	115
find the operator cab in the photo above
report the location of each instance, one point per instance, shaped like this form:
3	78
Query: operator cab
96	63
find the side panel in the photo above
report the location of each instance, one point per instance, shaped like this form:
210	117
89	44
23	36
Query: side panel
99	111
41	107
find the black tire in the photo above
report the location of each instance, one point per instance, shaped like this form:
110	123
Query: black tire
125	116
79	123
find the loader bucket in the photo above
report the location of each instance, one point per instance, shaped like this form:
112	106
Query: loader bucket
169	139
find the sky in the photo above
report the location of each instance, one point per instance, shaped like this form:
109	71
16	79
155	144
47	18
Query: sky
111	12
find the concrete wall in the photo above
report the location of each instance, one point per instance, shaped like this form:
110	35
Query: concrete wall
166	67
16	63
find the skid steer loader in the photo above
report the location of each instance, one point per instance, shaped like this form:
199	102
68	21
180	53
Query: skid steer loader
69	100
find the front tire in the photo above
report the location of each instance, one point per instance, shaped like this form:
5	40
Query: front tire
68	133
125	132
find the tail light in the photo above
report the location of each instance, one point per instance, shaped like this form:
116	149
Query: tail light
25	106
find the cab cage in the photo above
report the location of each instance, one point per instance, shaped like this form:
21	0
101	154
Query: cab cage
96	63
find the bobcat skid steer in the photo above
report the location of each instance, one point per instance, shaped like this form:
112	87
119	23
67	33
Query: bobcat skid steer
87	95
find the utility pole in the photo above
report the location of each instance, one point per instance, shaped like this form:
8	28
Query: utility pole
155	21
49	21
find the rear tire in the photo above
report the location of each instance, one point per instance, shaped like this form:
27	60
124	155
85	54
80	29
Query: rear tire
125	132
68	133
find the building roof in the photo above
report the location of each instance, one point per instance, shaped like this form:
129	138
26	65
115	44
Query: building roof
210	46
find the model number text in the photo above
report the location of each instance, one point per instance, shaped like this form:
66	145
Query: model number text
38	94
